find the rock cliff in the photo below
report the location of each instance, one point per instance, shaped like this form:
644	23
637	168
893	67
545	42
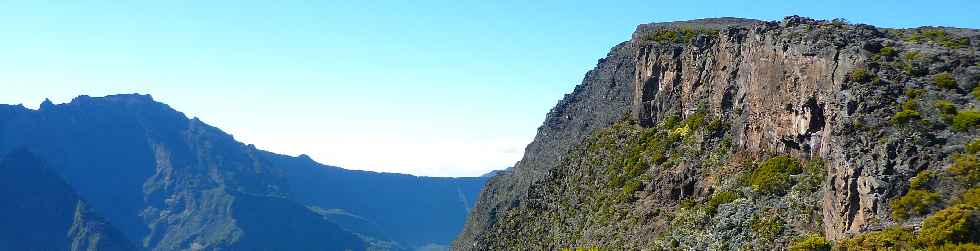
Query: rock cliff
733	133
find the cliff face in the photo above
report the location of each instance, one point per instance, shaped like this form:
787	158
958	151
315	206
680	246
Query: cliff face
745	133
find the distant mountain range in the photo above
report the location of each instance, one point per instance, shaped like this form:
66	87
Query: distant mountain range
496	172
125	172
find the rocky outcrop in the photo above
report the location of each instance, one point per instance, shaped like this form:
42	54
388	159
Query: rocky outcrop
712	100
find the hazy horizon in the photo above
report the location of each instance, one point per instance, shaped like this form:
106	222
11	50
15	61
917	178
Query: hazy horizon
433	89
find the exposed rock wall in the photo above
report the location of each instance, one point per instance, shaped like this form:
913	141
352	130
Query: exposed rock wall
782	88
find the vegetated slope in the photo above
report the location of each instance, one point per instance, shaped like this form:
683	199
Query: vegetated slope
41	212
173	183
759	135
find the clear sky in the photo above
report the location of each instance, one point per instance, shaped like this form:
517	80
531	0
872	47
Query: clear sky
447	88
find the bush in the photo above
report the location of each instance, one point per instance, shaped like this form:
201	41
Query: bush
951	225
860	75
893	238
957	247
887	52
971	198
973	147
946	107
965	167
905	116
944	80
767	226
720	198
913	93
774	175
976	91
662	36
812	242
965	120
914	203
921	180
630	187
685	35
909	110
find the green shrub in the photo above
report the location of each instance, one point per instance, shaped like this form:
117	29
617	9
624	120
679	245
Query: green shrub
767	226
965	120
921	180
893	238
718	199
965	167
956	224
903	117
630	187
971	198
887	51
774	175
946	107
860	75
695	121
908	110
976	91
944	80
957	247
812	242
682	35
663	36
914	93
973	147
914	203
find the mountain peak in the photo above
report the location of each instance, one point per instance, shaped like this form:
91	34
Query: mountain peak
47	104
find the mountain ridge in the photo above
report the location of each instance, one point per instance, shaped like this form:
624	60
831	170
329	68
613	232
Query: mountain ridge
172	182
669	143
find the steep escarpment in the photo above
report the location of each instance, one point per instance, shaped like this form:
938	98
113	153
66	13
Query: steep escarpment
750	134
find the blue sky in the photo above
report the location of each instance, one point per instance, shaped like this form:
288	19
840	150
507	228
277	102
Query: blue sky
437	88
